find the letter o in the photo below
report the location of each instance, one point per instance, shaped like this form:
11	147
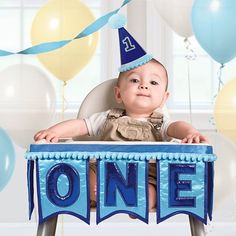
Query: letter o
51	185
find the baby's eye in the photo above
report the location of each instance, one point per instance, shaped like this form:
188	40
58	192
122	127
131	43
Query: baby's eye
134	80
154	82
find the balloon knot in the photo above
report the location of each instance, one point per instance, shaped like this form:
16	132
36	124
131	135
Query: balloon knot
222	66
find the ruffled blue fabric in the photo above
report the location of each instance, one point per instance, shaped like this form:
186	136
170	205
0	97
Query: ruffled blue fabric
136	63
190	157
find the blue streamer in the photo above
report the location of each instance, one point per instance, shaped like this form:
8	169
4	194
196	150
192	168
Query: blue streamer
51	46
45	47
5	53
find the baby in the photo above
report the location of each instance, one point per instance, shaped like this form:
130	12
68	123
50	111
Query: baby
143	92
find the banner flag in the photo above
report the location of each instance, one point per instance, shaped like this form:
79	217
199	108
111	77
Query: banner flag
122	188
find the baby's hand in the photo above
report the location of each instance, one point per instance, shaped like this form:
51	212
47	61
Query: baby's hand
48	135
195	138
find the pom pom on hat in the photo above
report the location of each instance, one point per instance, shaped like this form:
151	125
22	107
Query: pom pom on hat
117	21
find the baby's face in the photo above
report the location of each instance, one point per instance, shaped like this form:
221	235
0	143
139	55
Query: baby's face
143	89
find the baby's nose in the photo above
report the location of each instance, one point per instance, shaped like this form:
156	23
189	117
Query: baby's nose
142	86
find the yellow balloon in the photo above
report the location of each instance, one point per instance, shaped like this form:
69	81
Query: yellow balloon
225	110
62	20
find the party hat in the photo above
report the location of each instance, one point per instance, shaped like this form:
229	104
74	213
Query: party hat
132	55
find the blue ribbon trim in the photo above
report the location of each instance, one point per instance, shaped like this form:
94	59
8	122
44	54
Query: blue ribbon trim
161	219
30	181
192	157
130	148
210	189
86	220
51	46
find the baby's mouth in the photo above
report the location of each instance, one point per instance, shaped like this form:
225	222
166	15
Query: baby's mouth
143	95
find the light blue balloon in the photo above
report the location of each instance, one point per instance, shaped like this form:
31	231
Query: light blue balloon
7	159
214	25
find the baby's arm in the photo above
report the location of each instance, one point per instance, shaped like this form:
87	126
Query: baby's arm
185	132
65	129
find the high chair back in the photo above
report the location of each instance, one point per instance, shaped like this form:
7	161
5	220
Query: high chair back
101	98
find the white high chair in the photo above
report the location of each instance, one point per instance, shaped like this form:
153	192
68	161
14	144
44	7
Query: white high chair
101	98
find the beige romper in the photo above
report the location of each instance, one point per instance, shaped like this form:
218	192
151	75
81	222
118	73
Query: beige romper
120	128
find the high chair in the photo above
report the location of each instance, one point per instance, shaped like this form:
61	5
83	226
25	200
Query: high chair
101	99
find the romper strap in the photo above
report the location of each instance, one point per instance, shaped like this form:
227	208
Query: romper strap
115	113
156	119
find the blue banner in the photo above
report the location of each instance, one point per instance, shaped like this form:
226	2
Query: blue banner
63	188
122	188
184	179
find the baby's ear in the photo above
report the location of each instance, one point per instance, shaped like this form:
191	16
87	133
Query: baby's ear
117	94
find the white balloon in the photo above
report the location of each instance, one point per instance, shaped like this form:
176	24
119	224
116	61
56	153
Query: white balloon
225	167
27	102
177	14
